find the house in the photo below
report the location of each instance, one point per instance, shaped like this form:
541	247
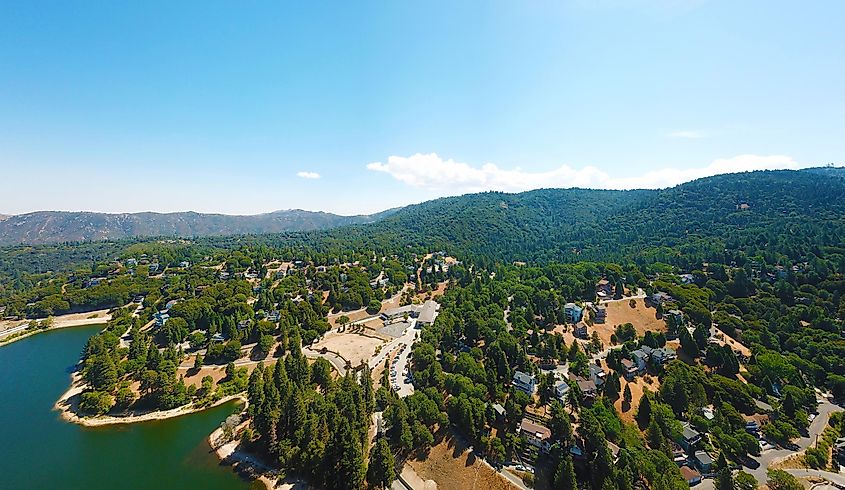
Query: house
562	391
573	313
273	316
499	410
154	267
692	476
679	457
675	317
641	357
689	438
131	262
218	337
587	387
244	324
629	369
427	313
663	355
659	298
702	461
321	268
604	289
687	278
171	304
224	275
580	331
599	313
184	264
161	318
537	435
708	413
524	382
597	374
94	281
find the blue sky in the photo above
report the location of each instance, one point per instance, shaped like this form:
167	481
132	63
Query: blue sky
359	106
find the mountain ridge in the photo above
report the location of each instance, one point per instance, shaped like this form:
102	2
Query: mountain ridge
579	218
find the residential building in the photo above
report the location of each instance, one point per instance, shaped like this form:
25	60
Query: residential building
184	264
640	357
274	316
663	355
692	476
537	435
659	298
675	317
580	331
629	369
689	438
499	410
161	318
573	313
599	313
244	324
562	390
702	461
524	382
588	388
597	375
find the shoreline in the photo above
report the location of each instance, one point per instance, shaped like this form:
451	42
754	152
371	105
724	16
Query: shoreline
247	466
93	318
65	405
11	339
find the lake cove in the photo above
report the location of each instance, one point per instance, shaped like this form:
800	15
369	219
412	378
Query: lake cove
42	451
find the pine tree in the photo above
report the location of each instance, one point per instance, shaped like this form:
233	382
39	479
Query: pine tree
644	411
565	474
381	471
724	477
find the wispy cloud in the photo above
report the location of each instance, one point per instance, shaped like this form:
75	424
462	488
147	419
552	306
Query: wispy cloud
688	134
308	175
430	171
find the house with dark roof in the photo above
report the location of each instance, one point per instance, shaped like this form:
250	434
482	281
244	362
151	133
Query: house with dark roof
663	355
524	382
580	331
689	438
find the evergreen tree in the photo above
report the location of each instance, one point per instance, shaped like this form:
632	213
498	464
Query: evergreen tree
564	477
381	471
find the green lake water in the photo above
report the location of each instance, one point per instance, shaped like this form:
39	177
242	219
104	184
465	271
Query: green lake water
39	450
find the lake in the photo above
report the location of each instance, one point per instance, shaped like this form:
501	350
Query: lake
39	450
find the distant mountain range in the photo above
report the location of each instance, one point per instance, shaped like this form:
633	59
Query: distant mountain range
44	227
540	224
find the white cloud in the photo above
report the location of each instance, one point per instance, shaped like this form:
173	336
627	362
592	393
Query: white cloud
430	171
308	175
688	134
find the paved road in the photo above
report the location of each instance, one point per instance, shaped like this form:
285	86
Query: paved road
827	475
816	428
338	362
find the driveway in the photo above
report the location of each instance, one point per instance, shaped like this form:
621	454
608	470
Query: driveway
772	456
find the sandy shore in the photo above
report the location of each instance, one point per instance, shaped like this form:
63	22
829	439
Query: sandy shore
231	454
68	402
99	317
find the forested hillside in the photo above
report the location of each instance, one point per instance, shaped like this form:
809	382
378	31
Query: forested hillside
55	227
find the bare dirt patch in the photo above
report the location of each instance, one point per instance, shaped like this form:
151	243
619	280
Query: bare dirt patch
451	465
620	312
638	385
351	346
